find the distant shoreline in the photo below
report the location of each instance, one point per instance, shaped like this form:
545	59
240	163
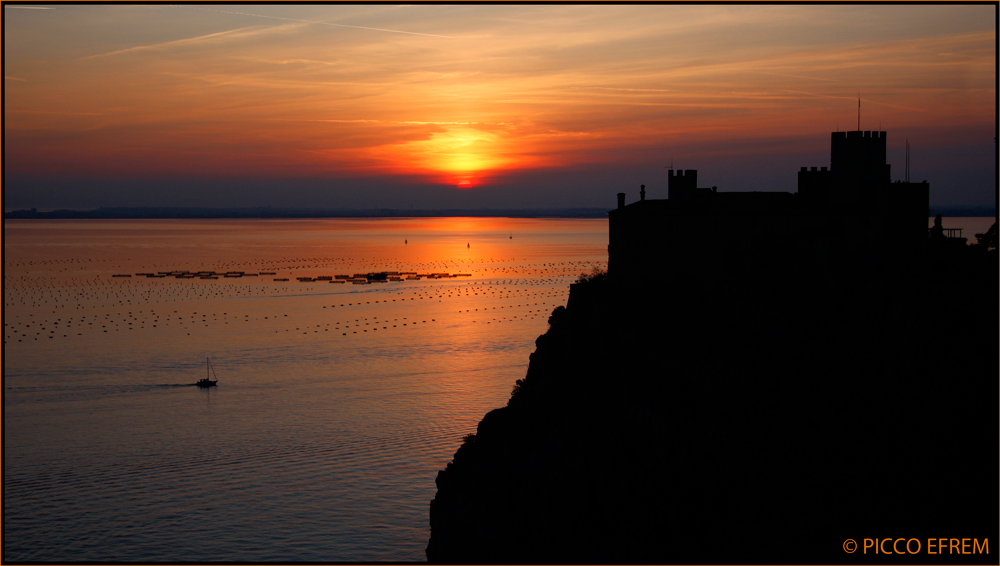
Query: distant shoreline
164	213
289	213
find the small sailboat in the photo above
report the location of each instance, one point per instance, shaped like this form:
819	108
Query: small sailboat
209	373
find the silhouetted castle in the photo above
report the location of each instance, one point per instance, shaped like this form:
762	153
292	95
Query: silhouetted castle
849	211
689	421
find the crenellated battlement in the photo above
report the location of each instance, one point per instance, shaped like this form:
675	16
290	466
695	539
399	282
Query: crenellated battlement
815	183
860	134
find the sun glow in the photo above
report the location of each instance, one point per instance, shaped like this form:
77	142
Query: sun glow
458	156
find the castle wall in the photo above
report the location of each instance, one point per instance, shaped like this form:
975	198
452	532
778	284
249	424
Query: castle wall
666	240
902	210
849	212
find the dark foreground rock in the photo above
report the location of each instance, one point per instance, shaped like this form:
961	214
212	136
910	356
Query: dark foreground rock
749	419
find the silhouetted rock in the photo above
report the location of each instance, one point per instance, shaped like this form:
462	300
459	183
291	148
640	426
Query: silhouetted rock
752	422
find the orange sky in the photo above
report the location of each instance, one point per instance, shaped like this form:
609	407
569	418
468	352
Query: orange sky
474	96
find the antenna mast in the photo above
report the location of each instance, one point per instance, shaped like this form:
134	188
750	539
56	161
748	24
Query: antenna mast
859	111
907	161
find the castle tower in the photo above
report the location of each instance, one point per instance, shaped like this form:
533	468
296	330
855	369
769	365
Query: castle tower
859	153
682	185
857	162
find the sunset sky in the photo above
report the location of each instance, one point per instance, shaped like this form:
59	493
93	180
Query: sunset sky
502	106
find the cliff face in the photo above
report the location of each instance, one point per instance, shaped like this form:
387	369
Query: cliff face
752	419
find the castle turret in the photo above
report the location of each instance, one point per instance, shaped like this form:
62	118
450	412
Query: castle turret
857	162
682	185
815	184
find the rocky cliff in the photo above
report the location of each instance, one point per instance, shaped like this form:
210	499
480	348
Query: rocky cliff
756	418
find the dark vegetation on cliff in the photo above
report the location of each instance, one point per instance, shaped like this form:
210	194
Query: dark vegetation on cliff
760	417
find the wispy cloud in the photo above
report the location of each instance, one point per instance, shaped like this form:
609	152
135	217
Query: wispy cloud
799	77
29	7
54	112
243	32
9	78
623	89
395	122
804	94
285	61
347	121
325	23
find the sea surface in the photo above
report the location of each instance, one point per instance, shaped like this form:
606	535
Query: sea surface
336	403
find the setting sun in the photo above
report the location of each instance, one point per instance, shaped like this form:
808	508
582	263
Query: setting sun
454	156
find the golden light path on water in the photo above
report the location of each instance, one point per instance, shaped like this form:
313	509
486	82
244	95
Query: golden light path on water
337	403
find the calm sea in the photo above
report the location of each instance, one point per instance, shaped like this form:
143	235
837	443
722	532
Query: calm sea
336	405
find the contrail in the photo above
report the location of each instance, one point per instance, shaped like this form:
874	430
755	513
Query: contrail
326	23
799	77
868	100
59	113
29	8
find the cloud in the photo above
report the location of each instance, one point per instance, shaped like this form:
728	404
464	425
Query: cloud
799	77
412	122
863	99
54	112
9	78
326	23
239	33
